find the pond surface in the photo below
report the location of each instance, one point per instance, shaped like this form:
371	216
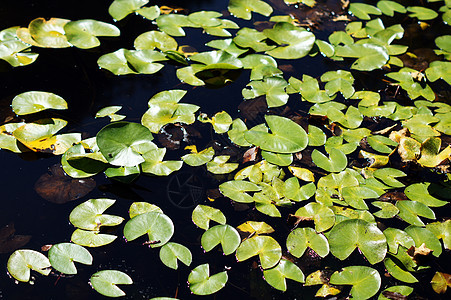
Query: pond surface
74	75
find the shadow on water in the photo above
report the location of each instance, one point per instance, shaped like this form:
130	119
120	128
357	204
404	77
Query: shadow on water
74	75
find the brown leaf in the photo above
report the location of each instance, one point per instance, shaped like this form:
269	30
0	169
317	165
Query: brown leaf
59	188
393	196
9	241
250	155
394	295
250	109
440	282
418	254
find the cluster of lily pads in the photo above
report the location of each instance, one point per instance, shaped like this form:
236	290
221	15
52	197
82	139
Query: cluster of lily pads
300	163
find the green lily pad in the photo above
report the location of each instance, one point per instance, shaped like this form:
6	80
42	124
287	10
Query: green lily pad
219	165
123	174
32	102
49	33
252	38
419	192
397	270
173	24
363	11
254	227
12	49
323	216
294	42
365	281
442	230
439	69
285	269
138	208
221	30
399	289
286	136
225	235
122	143
410	211
279	159
63	255
155	39
221	121
202	283
205	18
380	143
389	175
157	226
199	158
422	13
22	261
389	8
119	9
345	236
110	111
421	236
243	8
387	210
355	196
302	238
338	81
370	56
170	253
105	282
202	214
155	165
267	248
38	130
83	33
261	66
89	214
237	190
336	162
272	87
295	192
90	238
396	237
217	59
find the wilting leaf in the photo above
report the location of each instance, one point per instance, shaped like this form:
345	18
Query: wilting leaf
225	235
284	269
440	282
22	261
430	152
105	282
255	227
365	281
396	292
57	187
63	255
349	234
267	248
89	214
170	253
302	238
10	241
157	226
202	283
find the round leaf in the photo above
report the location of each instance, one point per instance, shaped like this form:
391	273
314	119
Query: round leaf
22	261
63	255
32	102
302	238
89	215
284	269
365	281
225	235
158	227
171	252
201	283
105	282
267	248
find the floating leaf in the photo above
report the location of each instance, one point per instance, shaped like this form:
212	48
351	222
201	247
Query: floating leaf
172	24
243	8
237	190
422	236
221	121
345	236
388	175
294	42
202	283
302	238
323	216
252	38
225	235
286	136
219	165
365	281
170	253
122	143
63	255
110	111
421	13
410	210
279	159
442	230
440	282
83	33
155	39
370	56
397	270
362	10
202	215
49	33
321	277
119	9
91	238
89	214
390	7
284	269
439	69
265	247
22	261
157	226
336	162
105	282
255	227
32	102
155	165
295	192
396	237
387	211
430	152
419	192
272	87
138	208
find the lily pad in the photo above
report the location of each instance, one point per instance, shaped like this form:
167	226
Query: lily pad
170	253
202	214
237	190
157	226
63	255
442	230
410	211
225	235
419	192
22	261
202	283
421	236
119	9
219	165
49	33
422	13
32	102
83	33
254	227
155	39
138	208
370	56
285	269
90	238
365	281
243	8
105	282
336	162
302	238
272	87
345	236
267	248
323	216
89	214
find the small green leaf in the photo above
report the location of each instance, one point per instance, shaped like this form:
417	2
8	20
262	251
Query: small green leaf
243	8
284	269
157	226
302	238
323	216
410	210
105	282
225	235
363	11
365	281
170	253
83	33
202	215
421	13
138	208
267	248
119	9
91	238
63	255
336	162
22	261
89	214
32	102
202	283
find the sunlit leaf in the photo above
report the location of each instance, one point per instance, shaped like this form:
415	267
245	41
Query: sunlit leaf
390	7
83	33
419	192
243	8
119	9
202	283
396	269
49	33
440	282
410	210
200	158
89	214
396	237
362	10
225	235
22	261
421	13
105	282
91	238
267	248
170	253
63	255
421	236
157	226
138	208
336	162
272	87
32	102
285	269
442	230
202	215
370	56
155	39
387	210
219	165
255	227
365	281
302	238
323	216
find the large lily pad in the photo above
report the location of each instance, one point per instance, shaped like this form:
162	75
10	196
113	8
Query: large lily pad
170	253
349	234
267	248
202	283
370	56
105	282
365	281
32	102
63	255
225	235
302	238
284	269
22	261
157	226
89	214
83	33
286	136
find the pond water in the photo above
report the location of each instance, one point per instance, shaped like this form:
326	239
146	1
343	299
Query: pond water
74	75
